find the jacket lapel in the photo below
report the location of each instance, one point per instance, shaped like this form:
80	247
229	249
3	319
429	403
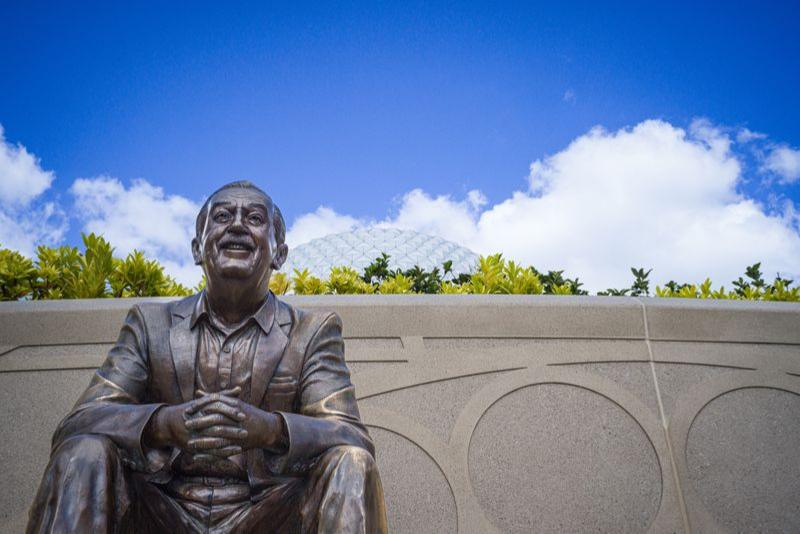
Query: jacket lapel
183	345
268	355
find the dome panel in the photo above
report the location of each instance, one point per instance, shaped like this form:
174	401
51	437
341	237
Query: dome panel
359	248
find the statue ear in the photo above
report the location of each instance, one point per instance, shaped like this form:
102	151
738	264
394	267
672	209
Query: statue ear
196	252
280	257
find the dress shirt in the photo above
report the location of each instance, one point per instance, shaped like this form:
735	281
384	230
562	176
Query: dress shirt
224	361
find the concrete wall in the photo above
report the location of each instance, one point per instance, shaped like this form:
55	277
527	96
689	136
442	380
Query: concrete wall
514	414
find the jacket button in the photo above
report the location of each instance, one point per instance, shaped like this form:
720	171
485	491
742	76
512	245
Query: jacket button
227	349
223	384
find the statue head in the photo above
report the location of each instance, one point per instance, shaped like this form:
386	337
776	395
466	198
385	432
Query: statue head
239	237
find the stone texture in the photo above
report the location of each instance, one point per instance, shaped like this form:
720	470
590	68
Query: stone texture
676	380
363	316
27	423
742	355
548	351
59	322
436	405
553	458
573	459
744	460
358	368
473	343
543	316
636	377
723	320
418	498
79	356
366	343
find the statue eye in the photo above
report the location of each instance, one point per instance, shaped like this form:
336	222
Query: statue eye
222	216
256	219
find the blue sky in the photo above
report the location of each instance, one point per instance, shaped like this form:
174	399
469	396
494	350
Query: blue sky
431	116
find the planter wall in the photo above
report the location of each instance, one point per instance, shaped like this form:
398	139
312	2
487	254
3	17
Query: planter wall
505	413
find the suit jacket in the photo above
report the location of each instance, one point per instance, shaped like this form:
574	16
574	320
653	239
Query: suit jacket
298	371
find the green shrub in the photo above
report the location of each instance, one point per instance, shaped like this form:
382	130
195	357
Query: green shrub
396	285
17	275
66	273
138	277
306	284
753	287
345	281
280	284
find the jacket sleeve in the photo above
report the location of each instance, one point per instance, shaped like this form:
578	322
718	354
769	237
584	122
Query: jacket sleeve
112	405
328	415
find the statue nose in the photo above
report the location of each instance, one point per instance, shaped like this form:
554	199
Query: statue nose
237	225
237	228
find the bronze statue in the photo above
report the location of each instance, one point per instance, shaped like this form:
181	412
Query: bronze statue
227	411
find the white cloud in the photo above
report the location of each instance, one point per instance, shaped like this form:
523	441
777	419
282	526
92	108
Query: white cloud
21	177
785	162
25	219
705	132
140	217
320	223
442	216
569	96
23	230
745	135
650	196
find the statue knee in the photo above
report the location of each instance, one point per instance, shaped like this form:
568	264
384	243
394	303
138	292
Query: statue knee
352	459
345	493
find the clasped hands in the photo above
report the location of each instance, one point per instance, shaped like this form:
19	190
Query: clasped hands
218	424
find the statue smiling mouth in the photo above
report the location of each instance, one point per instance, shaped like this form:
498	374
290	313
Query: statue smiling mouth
237	245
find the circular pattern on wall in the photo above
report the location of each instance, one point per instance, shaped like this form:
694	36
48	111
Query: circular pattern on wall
418	497
559	458
743	458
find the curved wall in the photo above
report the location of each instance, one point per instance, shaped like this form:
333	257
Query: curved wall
505	413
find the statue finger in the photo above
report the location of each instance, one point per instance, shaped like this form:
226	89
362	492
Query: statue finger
226	452
198	404
224	431
205	444
208	420
232	412
205	403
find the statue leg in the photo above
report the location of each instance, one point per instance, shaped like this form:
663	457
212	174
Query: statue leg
344	494
84	489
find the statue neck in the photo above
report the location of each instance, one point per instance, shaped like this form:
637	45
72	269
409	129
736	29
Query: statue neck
233	303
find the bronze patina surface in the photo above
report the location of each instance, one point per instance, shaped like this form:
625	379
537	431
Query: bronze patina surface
227	411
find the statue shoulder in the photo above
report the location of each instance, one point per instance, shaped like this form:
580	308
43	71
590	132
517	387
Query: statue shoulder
306	322
161	312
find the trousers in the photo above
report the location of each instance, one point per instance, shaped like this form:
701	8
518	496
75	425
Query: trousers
87	489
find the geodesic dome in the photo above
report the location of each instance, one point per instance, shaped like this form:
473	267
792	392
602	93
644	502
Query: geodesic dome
359	248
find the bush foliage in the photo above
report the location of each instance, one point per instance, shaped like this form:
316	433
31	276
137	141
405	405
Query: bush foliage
66	273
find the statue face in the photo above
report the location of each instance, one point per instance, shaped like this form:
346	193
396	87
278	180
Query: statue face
238	240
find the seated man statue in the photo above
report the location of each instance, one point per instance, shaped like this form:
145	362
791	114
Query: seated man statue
227	411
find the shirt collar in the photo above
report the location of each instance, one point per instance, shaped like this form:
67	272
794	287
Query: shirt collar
264	316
